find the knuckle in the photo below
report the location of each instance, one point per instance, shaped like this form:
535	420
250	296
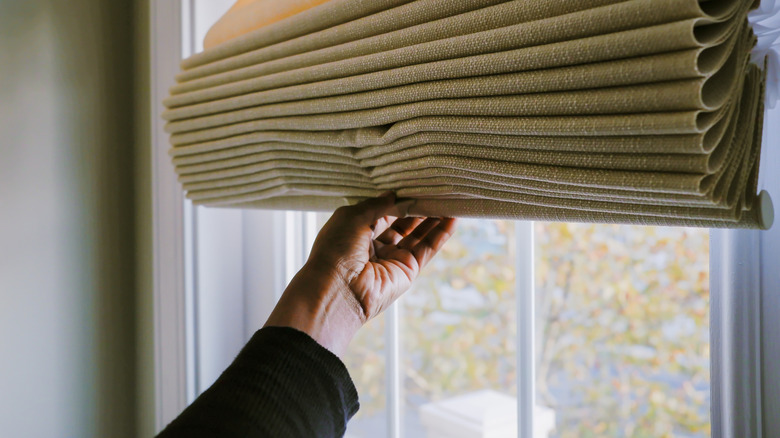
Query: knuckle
342	211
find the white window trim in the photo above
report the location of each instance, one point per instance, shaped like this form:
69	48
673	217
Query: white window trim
526	331
735	333
745	286
170	325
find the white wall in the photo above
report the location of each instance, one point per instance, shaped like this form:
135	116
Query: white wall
66	219
770	281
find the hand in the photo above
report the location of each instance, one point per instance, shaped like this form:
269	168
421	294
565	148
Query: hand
377	270
352	276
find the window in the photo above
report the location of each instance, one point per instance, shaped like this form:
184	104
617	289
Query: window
621	322
516	329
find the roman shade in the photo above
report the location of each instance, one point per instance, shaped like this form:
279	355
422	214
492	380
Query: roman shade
632	111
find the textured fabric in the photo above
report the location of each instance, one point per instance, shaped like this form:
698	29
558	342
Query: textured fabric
331	14
369	32
637	111
282	384
599	28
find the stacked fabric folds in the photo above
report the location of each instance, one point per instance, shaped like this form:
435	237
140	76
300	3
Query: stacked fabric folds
637	111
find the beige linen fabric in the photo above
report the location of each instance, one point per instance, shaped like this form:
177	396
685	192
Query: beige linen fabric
374	33
331	14
607	21
636	111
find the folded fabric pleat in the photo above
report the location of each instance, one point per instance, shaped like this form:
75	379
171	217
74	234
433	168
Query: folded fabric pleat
618	111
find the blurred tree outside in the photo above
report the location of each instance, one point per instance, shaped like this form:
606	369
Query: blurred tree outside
365	360
622	319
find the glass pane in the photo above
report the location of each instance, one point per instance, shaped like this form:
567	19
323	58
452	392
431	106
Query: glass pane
365	360
207	12
458	330
622	320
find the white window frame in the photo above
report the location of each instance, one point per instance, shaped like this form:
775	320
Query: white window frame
745	284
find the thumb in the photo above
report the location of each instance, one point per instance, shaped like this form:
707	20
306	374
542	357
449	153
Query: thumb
371	210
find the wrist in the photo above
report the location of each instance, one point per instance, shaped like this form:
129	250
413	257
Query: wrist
318	303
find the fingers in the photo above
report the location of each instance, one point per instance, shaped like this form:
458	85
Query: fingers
433	240
371	210
398	230
416	235
382	224
421	244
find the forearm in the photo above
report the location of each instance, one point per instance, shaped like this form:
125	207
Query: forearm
319	304
288	381
282	384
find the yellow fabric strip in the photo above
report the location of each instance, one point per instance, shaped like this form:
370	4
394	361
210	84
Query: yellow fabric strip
249	15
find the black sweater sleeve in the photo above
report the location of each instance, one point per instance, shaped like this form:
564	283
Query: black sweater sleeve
282	384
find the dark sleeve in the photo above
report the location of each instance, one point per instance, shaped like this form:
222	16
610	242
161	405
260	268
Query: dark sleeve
282	384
